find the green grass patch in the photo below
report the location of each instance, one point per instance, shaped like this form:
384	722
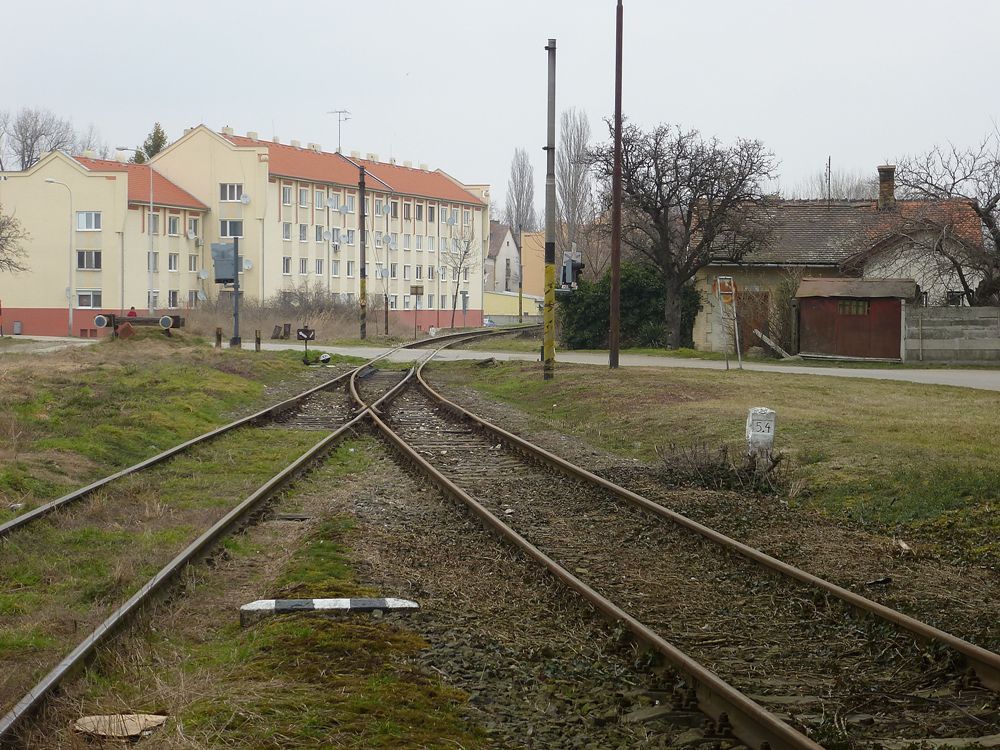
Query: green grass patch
895	455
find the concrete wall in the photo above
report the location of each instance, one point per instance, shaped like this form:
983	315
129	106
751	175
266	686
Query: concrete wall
952	334
505	304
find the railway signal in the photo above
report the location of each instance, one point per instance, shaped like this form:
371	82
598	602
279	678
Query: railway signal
305	335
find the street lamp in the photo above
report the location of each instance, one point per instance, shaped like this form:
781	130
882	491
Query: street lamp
149	229
69	286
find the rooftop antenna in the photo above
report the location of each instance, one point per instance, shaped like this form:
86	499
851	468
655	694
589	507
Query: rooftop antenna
342	115
829	192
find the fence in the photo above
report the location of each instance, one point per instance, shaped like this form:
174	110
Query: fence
952	334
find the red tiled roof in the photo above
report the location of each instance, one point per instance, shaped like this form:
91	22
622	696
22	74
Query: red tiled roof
331	167
165	192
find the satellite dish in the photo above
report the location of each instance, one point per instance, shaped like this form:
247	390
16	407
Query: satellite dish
247	264
245	199
192	235
336	247
343	209
386	209
203	274
202	296
327	235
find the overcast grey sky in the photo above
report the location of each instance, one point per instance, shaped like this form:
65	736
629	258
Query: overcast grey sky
459	85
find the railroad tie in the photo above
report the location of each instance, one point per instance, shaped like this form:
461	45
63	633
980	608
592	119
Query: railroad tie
254	611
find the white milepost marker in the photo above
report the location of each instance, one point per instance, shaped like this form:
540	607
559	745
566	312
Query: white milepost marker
761	425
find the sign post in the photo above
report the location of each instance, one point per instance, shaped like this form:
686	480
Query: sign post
416	292
305	335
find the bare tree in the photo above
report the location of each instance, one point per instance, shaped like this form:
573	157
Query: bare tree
687	200
844	185
461	257
90	140
29	133
968	176
12	235
573	179
519	211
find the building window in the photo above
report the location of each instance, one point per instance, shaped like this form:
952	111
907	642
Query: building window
454	216
393	301
378	205
420	242
465	274
418	272
852	307
88	221
286	265
174	226
466	217
303	266
430	301
954	298
350	269
406	273
230	192
335	268
153	299
418	302
88	298
350	204
303	232
350	236
336	235
173	298
286	231
193	227
319	232
173	261
319	266
454	274
286	195
406	301
419	209
406	242
303	197
319	199
192	262
379	272
335	198
349	298
153	261
193	298
230	228
430	273
154	223
395	240
395	209
430	213
378	238
430	244
88	260
442	244
393	270
406	210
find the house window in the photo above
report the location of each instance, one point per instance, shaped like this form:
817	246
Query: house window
153	261
393	301
173	261
406	273
319	266
454	274
378	205
335	268
454	216
954	298
193	298
88	298
192	262
336	235
303	232
430	272
173	298
418	272
852	307
303	197
319	232
420	242
430	244
406	210
418	302
230	192
349	298
466	216
154	223
430	213
393	270
350	269
286	230
88	260
286	265
286	195
319	199
378	238
174	226
406	242
153	299
230	228
395	209
193	227
350	204
395	240
379	272
406	301
465	274
303	266
88	221
335	198
350	236
430	301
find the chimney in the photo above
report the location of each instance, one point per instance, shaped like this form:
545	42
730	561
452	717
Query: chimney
227	130
252	135
315	147
886	186
355	154
424	167
296	144
276	139
408	164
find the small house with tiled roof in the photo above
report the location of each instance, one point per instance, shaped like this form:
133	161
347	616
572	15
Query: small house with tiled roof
870	239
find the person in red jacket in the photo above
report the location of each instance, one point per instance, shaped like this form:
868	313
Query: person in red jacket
131	312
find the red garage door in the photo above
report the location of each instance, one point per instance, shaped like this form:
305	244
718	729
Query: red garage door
846	327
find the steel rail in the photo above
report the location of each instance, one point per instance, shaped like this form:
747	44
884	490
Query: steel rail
730	708
11	721
985	663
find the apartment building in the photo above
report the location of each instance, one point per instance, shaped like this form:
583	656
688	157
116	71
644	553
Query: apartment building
88	250
295	209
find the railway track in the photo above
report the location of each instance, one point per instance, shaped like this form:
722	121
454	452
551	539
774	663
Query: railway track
318	409
769	652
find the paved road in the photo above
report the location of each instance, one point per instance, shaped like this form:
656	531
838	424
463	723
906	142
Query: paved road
988	380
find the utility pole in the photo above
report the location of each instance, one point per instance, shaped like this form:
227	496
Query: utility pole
363	301
236	342
616	205
549	343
